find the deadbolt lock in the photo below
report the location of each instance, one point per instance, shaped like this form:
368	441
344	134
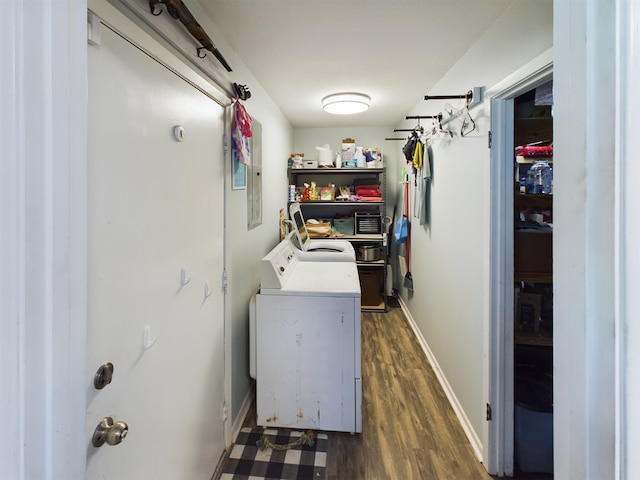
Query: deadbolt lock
103	376
109	432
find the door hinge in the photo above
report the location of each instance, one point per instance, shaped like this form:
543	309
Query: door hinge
488	412
225	280
225	411
224	143
489	139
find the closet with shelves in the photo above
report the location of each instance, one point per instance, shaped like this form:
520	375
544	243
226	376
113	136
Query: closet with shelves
533	281
362	222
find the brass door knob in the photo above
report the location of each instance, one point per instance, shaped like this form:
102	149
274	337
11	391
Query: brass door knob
109	432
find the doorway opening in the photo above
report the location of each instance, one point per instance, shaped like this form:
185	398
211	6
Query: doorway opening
498	454
533	283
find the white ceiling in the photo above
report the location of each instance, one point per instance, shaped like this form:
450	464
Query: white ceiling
392	50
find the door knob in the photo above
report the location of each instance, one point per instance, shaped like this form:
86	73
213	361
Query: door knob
109	432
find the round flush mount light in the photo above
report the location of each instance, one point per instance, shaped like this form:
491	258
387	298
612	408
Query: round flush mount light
345	103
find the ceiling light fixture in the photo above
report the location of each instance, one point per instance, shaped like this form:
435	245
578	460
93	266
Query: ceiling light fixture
345	103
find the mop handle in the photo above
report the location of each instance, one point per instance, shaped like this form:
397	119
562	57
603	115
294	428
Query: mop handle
406	198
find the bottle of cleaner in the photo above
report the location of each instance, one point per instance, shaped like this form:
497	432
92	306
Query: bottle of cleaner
359	157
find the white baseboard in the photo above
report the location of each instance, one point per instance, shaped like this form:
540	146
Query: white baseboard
242	414
476	444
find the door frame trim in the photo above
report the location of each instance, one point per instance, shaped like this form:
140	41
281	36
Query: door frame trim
499	347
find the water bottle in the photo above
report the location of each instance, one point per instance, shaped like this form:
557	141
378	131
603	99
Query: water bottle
542	177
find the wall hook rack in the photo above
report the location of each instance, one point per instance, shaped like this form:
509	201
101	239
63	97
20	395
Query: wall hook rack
422	117
468	96
472	97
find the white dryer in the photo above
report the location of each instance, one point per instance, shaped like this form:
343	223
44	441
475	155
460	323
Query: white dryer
305	343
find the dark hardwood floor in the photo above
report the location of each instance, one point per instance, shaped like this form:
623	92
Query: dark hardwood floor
410	431
409	428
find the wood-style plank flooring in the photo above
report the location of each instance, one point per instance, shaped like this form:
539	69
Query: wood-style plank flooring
409	428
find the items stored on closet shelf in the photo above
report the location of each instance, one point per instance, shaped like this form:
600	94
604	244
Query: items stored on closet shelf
295	160
348	156
539	179
534	151
353	156
311	192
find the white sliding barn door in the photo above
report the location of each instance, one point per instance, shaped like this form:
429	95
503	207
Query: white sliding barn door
155	264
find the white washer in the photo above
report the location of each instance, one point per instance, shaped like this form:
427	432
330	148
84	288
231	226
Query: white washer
305	343
317	249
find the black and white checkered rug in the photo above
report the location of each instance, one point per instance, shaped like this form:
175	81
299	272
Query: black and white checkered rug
301	462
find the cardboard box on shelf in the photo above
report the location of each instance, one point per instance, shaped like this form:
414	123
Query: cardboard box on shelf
348	150
310	163
528	312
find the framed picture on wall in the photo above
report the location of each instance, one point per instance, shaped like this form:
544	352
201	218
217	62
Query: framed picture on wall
239	173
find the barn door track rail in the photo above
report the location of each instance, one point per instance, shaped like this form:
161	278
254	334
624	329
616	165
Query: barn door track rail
179	11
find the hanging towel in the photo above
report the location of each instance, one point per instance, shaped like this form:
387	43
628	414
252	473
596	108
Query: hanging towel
241	134
417	156
426	161
418	196
423	177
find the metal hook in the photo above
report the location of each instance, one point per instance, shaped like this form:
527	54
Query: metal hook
198	50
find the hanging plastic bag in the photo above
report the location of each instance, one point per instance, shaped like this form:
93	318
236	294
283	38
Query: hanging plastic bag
241	133
402	230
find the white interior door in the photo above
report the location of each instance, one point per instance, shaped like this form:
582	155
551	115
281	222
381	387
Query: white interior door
155	263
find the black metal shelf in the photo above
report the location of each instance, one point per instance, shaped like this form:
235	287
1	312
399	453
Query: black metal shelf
335	171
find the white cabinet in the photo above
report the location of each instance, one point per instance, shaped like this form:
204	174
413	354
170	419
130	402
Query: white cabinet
308	362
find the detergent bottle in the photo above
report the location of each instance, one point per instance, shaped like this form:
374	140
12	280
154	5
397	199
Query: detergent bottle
359	157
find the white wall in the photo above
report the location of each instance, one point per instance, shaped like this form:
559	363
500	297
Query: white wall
450	255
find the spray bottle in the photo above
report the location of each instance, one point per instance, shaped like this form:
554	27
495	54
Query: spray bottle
359	157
